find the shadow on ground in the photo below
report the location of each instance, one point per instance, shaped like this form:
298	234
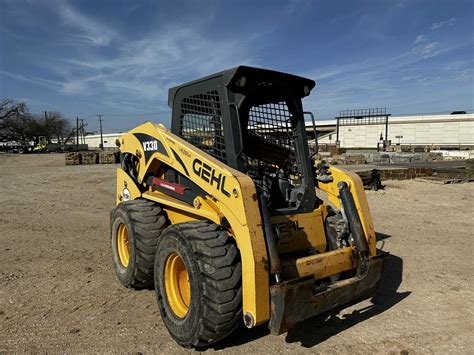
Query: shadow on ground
382	236
320	328
316	330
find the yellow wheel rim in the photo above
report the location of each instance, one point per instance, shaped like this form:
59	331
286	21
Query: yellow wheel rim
178	291
122	245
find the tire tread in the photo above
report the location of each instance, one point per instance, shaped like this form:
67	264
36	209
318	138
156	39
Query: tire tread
148	221
221	277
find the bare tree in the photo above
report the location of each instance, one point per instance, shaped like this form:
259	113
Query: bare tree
15	122
21	127
18	124
57	127
11	108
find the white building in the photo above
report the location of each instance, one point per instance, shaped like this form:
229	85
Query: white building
448	130
93	141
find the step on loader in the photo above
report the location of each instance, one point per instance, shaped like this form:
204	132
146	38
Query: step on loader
229	217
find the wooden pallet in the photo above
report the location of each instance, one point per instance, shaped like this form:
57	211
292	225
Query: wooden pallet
72	158
89	158
106	158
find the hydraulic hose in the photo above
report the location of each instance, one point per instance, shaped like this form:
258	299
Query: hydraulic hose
274	258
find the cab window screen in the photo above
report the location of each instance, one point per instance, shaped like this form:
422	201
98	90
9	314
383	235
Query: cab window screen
201	123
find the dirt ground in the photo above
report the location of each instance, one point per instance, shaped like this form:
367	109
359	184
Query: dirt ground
59	293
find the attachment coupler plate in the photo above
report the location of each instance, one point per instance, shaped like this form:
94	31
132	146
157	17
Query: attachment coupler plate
296	300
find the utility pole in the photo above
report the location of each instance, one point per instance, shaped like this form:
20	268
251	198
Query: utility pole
82	129
77	134
46	124
101	137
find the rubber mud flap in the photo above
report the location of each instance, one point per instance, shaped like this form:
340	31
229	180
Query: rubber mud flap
296	300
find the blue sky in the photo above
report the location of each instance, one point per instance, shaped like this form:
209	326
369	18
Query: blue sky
119	58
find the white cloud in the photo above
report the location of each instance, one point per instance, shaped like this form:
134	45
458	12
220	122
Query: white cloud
464	74
428	50
136	77
420	38
440	24
400	4
107	62
379	80
411	77
88	30
293	6
33	79
144	69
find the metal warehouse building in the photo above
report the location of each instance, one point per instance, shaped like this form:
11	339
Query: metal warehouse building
446	130
93	141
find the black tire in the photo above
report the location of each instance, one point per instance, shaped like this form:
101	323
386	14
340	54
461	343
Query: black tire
212	261
144	222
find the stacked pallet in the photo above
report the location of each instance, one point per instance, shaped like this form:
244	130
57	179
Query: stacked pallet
336	150
89	157
348	159
106	158
92	157
470	166
73	158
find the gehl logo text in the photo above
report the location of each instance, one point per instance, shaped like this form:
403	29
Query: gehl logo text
210	175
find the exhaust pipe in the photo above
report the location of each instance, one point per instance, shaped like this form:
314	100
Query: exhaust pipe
352	215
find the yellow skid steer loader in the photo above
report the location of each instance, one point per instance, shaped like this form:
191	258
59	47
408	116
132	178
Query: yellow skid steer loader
231	219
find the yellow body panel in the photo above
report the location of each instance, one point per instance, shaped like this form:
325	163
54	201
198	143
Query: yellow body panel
232	195
240	206
176	215
301	231
357	189
174	204
126	186
320	265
